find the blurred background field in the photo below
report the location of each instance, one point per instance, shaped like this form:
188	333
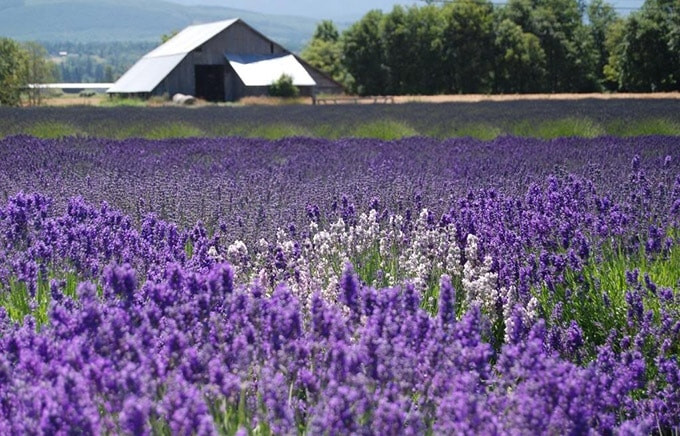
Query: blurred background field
528	118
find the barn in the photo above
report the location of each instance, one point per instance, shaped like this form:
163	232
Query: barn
220	61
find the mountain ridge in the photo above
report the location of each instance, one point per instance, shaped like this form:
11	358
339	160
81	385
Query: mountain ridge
109	20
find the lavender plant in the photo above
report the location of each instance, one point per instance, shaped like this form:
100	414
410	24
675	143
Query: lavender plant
223	286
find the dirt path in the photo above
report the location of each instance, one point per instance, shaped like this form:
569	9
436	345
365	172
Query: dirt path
471	98
453	98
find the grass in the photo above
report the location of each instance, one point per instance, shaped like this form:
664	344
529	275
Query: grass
52	130
267	131
273	101
172	130
123	102
653	126
483	131
386	129
18	302
595	296
383	129
582	127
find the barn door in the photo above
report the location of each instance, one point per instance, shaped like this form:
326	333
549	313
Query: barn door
210	82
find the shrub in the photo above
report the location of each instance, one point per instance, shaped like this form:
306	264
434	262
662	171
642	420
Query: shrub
283	87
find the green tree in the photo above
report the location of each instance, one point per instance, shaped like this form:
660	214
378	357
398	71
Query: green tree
39	70
568	46
412	44
614	45
520	60
326	31
324	52
601	16
646	57
467	40
427	49
284	87
12	72
363	54
398	61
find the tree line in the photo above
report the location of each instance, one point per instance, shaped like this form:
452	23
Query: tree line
87	62
523	46
31	62
21	64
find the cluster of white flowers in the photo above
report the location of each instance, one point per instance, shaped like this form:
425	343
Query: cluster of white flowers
237	256
480	283
388	252
528	313
431	252
417	252
213	254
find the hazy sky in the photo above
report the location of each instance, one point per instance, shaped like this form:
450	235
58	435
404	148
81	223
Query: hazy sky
344	9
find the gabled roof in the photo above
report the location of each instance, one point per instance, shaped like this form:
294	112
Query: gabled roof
146	74
150	70
263	70
190	38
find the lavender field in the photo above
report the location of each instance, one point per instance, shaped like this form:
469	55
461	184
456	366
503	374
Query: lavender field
346	286
482	120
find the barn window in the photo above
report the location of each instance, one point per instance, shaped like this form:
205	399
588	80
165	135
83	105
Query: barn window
271	47
199	49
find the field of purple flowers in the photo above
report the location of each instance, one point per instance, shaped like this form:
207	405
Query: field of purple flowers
485	120
352	286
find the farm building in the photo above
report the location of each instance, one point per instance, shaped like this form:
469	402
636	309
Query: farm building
220	61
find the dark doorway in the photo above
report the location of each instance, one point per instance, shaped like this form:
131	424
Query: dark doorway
230	85
210	82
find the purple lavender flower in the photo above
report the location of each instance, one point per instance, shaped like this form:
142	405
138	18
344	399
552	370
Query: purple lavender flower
349	290
121	281
135	416
447	301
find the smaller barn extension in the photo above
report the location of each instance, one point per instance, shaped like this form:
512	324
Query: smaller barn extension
220	61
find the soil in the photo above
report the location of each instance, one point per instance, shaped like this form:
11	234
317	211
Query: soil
454	98
471	98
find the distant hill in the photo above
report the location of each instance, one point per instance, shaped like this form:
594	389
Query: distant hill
348	10
345	10
132	20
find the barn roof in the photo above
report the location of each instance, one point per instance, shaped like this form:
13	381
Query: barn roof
263	70
150	70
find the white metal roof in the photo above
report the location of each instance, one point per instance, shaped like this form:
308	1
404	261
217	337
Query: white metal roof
263	70
150	70
70	85
190	38
146	74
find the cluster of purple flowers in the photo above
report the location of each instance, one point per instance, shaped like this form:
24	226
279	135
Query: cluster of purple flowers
251	187
187	349
194	348
126	317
